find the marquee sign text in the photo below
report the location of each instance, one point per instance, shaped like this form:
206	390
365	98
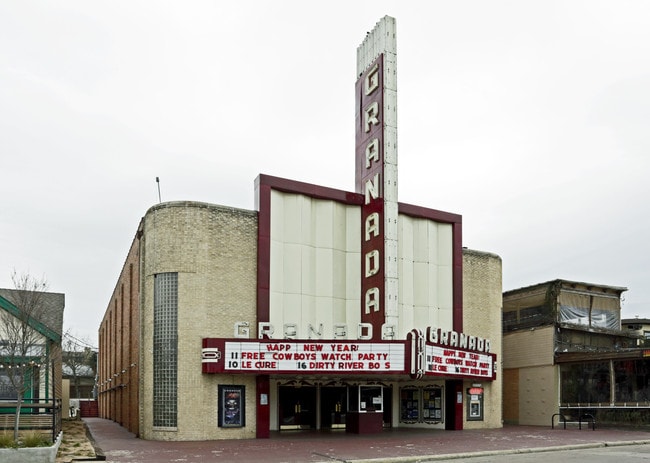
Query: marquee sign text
440	361
234	356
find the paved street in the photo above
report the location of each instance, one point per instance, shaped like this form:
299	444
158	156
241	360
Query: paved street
391	446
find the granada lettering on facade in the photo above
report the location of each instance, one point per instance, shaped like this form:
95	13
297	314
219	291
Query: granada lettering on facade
266	330
370	182
460	340
361	331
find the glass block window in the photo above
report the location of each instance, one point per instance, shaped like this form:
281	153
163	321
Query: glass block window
165	349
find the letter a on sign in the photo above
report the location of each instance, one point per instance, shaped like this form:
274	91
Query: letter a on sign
372	152
372	300
372	226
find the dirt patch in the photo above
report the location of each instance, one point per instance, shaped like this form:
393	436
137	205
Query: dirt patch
75	443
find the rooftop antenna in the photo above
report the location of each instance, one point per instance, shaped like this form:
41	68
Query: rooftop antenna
158	182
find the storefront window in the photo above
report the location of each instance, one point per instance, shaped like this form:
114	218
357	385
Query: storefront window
432	404
421	404
585	383
409	405
590	382
632	381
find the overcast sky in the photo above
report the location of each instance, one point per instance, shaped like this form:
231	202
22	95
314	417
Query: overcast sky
531	119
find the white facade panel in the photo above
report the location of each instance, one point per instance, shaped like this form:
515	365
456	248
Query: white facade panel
315	266
292	262
322	224
352	285
338	277
276	271
308	279
405	274
291	223
324	272
425	274
421	284
352	233
445	245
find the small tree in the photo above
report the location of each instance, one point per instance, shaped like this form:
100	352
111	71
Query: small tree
24	348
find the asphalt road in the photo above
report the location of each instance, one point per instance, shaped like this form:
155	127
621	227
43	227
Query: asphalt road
622	453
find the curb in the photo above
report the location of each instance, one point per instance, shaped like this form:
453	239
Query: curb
488	453
99	453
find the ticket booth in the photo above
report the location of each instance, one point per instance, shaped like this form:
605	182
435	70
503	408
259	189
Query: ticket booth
366	409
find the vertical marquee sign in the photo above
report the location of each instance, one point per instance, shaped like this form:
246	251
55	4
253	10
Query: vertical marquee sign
376	176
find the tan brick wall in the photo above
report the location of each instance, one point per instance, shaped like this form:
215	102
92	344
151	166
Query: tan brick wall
530	347
214	251
482	303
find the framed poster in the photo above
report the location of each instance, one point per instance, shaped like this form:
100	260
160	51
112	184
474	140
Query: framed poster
232	406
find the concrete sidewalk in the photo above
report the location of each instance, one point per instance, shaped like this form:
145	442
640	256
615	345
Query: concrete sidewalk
398	445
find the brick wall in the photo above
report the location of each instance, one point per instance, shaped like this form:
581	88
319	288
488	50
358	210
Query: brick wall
119	347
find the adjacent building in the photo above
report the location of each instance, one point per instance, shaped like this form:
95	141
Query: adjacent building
564	351
31	325
639	326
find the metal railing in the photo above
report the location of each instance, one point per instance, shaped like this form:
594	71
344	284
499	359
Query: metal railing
35	414
586	417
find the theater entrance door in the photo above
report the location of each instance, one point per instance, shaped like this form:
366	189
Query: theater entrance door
297	407
334	404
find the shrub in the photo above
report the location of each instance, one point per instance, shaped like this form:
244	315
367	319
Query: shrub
7	441
34	439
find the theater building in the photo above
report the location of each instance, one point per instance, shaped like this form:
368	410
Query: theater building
320	309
